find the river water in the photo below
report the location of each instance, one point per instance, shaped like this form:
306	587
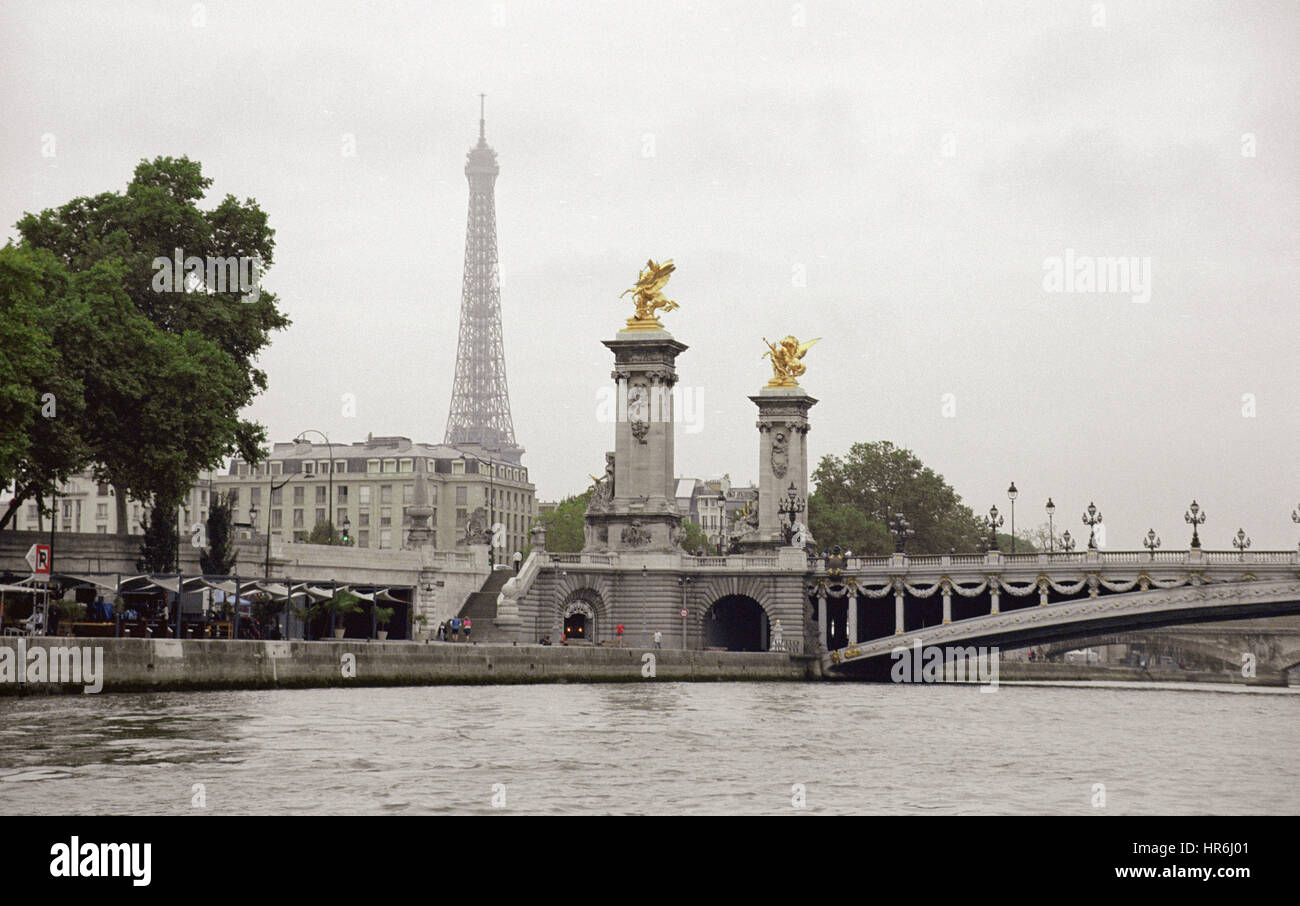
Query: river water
656	748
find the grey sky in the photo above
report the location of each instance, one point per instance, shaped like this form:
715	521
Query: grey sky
915	161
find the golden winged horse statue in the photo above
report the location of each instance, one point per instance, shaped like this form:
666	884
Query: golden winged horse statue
649	297
787	364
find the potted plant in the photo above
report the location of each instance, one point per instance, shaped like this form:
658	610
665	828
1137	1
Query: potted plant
423	622
342	604
307	614
383	616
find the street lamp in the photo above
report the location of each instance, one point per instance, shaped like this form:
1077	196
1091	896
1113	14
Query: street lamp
329	513
1067	543
902	530
994	521
1092	519
1051	532
1195	518
1151	542
1013	494
790	507
1295	514
1241	542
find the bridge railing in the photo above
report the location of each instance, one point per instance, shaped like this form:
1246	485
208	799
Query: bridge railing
1092	559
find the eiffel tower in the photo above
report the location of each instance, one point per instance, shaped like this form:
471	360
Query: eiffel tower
480	399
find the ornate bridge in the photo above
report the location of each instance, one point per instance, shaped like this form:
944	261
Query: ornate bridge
1026	599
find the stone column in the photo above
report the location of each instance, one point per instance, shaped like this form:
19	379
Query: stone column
899	624
782	455
947	603
994	593
853	617
821	622
641	511
1042	593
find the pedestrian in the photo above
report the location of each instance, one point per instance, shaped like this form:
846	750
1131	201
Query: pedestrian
777	643
618	631
659	639
455	629
466	624
519	560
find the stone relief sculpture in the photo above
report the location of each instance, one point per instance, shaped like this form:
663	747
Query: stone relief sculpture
638	411
780	454
602	489
634	535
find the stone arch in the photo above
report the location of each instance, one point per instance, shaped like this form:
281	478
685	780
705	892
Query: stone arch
714	588
585	595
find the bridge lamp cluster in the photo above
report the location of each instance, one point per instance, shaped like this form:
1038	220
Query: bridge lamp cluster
1151	542
1195	517
1241	542
994	523
1092	519
902	530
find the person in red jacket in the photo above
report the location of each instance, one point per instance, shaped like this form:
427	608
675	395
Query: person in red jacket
618	631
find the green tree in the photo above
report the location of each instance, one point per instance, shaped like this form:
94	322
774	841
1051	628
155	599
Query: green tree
159	547
323	533
41	393
857	496
220	556
695	541
565	525
178	366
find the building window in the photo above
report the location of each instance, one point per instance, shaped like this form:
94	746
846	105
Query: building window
276	468
363	539
299	495
433	493
372	466
101	511
340	516
408	493
458	467
406	465
276	521
297	519
386	538
309	468
320	493
462	516
254	496
385	515
462	495
323	467
363	518
232	497
102	490
341	466
277	496
363	495
390	465
341	494
386	493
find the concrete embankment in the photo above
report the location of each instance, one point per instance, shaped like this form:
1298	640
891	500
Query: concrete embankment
133	665
1012	671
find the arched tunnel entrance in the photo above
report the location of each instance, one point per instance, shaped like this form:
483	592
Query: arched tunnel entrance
737	623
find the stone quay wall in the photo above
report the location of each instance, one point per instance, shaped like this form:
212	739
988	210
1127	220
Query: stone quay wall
151	665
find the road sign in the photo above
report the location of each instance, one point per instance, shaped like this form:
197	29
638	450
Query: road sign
684	613
38	558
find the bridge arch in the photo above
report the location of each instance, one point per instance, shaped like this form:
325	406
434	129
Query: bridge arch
581	607
737	613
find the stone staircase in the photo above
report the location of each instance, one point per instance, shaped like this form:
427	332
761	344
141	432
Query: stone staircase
481	608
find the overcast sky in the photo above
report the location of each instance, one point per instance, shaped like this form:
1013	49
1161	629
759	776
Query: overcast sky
889	176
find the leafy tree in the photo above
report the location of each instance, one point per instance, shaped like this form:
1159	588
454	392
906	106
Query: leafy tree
220	556
696	540
160	546
41	394
565	525
323	533
173	370
858	495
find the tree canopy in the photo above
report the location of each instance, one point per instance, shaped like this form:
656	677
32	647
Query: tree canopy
565	525
857	496
148	380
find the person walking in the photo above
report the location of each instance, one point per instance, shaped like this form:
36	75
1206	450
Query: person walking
455	629
466	624
519	560
659	639
618	631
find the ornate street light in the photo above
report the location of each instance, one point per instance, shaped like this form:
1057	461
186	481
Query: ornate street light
1195	518
1013	494
994	522
902	530
1241	542
1151	542
1067	543
790	507
1051	534
329	513
1295	514
1092	519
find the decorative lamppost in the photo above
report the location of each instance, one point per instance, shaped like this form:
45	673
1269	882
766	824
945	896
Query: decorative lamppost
1241	542
1295	514
252	520
1067	543
1092	519
1051	533
329	513
1151	542
1195	518
902	530
790	507
1013	494
994	521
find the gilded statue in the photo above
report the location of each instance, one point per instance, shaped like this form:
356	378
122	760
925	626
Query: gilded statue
787	361
649	297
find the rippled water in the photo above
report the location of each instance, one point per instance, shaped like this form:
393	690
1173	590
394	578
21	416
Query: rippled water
657	748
